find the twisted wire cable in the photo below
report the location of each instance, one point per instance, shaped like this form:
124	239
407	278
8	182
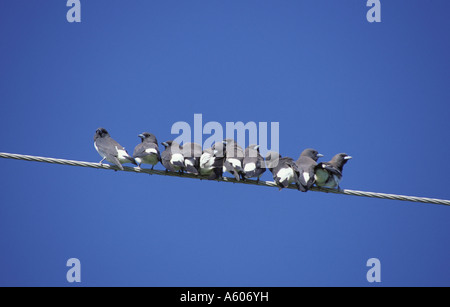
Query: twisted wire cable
225	179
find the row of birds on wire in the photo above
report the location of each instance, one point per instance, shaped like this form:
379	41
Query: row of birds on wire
226	156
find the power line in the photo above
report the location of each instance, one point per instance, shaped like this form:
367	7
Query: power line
252	182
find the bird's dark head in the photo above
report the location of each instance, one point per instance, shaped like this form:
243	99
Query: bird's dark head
219	149
254	147
171	144
228	141
101	132
312	153
343	156
340	159
272	155
252	151
148	137
167	143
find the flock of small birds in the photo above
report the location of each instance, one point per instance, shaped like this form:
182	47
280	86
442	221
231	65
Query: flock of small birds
226	156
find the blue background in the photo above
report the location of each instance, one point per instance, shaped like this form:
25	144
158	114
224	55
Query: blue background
335	82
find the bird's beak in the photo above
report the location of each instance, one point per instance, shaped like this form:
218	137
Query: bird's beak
256	147
320	155
348	157
141	136
165	144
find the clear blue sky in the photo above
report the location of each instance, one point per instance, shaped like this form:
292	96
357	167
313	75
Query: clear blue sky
379	92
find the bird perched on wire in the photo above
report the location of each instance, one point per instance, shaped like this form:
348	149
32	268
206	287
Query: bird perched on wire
147	151
329	174
306	164
192	153
172	157
110	150
284	170
234	159
253	163
212	160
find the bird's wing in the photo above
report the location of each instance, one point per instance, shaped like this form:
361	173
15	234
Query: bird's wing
312	179
218	162
231	169
143	150
108	149
107	146
306	168
191	170
165	160
139	151
260	162
331	169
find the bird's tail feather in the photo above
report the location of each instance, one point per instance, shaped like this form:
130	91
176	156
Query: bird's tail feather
191	170
132	160
179	163
116	162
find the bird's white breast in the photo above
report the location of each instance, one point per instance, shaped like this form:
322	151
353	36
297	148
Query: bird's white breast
206	160
321	176
249	167
99	152
151	150
235	162
177	157
122	154
286	174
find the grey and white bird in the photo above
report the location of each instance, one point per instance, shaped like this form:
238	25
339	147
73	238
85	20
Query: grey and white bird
192	153
306	165
172	157
147	151
212	160
234	159
284	170
329	174
253	163
110	150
